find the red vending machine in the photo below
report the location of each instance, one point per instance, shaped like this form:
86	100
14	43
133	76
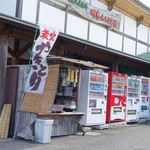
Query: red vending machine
116	102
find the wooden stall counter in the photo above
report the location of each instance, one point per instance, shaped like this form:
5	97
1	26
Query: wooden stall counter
65	123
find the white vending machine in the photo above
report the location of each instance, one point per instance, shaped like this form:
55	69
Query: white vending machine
93	97
144	98
133	99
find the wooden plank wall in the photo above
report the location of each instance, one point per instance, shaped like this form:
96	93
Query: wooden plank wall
63	125
3	64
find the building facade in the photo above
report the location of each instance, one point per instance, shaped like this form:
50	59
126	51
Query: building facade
82	34
130	40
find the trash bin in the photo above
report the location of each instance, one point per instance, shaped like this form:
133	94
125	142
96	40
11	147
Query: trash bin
43	129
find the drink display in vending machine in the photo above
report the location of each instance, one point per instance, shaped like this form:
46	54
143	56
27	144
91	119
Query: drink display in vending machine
144	98
116	100
92	100
133	99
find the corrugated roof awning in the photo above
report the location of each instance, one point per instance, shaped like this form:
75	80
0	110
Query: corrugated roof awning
88	64
145	56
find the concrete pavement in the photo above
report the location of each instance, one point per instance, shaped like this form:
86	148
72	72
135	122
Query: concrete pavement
130	137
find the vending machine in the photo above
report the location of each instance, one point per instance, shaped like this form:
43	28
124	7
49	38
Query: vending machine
133	99
144	98
92	97
116	100
106	86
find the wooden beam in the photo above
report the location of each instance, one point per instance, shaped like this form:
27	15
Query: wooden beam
111	3
3	28
139	20
24	49
3	66
11	52
16	45
81	49
22	34
16	49
62	50
115	65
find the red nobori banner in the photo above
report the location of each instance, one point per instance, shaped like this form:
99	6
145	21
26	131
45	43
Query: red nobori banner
94	14
39	69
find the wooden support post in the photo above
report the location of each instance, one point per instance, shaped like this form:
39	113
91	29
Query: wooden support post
115	66
139	20
16	49
3	65
62	50
111	4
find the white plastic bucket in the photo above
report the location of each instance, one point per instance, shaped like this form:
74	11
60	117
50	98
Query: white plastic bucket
43	129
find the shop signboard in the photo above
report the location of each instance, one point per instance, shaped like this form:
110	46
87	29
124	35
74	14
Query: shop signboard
94	14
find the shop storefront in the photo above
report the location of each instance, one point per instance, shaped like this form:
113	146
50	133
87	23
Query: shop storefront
87	31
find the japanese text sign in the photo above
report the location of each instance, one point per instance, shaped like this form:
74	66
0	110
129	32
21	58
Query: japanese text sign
39	69
94	14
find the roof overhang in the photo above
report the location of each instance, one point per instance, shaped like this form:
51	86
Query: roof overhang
132	8
145	56
87	64
109	50
15	23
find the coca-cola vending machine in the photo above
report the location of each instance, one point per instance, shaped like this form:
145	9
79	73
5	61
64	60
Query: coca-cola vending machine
116	98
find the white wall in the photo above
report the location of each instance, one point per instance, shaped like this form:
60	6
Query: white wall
77	27
52	17
98	4
130	26
97	34
29	10
142	33
129	46
114	41
8	7
141	48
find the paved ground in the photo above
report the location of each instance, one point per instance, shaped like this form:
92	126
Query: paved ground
130	137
